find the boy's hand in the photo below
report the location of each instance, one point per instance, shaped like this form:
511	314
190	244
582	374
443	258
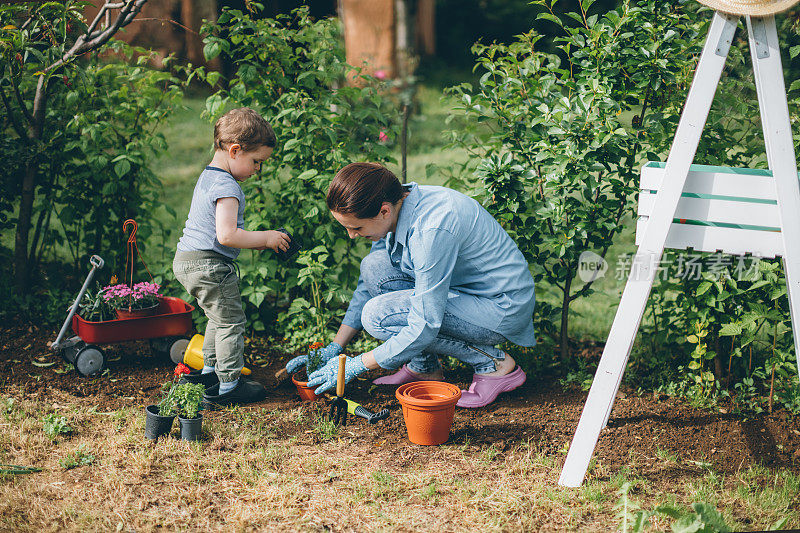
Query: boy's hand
277	240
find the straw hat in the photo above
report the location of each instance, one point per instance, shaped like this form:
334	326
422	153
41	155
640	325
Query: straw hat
750	7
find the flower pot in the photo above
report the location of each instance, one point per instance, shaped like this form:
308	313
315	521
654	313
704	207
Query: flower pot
306	393
156	425
137	313
428	408
191	427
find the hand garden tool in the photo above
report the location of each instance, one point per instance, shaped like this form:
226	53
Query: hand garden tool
338	411
193	356
357	409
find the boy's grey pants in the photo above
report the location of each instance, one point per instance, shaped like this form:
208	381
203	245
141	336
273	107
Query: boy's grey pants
211	278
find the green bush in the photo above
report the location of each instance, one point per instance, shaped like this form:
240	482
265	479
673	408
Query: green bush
726	333
77	132
308	321
115	109
740	302
554	148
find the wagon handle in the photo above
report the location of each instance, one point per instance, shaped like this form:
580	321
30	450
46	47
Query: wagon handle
97	263
130	260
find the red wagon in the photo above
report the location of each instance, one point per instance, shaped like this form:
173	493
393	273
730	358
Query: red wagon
166	330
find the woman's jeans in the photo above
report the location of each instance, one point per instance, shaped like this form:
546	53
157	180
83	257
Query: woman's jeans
386	313
213	280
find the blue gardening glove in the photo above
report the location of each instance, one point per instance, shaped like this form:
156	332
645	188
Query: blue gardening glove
326	376
328	352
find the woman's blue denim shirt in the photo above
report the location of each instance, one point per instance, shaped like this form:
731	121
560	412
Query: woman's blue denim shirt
460	258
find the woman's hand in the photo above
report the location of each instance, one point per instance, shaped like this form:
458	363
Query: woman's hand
277	240
328	352
325	378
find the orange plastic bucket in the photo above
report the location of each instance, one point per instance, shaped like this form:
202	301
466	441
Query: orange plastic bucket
428	409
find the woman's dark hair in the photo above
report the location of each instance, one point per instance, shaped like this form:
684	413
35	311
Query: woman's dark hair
360	189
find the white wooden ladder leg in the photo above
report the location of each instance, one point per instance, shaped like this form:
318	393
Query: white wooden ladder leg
634	298
765	52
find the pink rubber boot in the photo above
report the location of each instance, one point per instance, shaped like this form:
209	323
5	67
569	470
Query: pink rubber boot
485	389
404	375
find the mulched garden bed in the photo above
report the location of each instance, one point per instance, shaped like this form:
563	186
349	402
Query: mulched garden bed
642	429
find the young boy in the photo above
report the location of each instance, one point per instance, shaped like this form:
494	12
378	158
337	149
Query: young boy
211	241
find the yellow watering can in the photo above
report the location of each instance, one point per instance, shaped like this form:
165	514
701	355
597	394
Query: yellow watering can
193	356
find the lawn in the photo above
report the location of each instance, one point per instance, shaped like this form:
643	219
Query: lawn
250	476
281	465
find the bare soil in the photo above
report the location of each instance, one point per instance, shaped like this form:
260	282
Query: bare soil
541	413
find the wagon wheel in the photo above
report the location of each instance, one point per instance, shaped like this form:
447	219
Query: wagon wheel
71	351
170	347
90	360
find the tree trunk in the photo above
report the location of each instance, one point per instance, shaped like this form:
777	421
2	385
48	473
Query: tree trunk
564	348
369	35
37	237
21	277
21	263
96	38
426	27
719	368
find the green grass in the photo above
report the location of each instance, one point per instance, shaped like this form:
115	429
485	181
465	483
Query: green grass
190	140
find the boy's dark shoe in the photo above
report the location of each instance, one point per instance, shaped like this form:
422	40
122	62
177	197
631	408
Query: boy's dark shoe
246	391
208	379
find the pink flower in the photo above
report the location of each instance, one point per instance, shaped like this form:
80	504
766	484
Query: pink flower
140	295
380	74
382	137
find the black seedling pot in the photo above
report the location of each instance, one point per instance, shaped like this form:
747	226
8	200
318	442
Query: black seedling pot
294	246
191	427
156	425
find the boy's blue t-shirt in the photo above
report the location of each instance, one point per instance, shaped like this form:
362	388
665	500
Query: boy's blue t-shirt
200	232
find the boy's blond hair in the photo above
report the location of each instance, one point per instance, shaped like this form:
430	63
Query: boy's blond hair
245	127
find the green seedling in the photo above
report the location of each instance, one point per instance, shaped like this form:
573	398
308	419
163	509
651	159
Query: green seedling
79	457
54	425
